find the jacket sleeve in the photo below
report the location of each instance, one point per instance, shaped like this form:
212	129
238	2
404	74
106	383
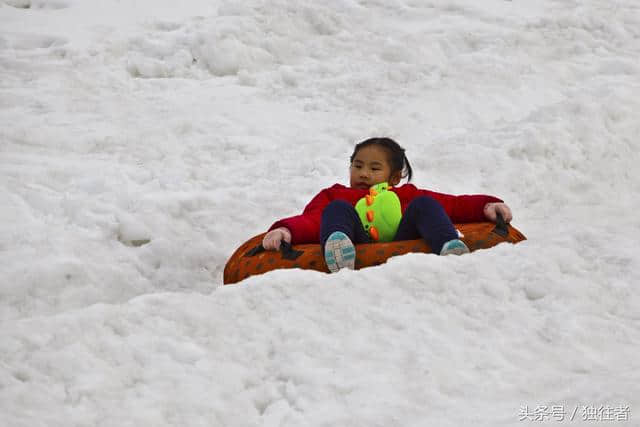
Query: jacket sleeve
461	209
305	228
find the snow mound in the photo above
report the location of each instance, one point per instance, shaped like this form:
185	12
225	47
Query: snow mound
240	38
37	4
142	142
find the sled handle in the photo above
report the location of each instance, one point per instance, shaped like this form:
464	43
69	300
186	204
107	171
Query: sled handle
502	228
286	250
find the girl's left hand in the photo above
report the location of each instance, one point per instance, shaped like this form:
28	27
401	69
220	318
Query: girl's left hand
491	209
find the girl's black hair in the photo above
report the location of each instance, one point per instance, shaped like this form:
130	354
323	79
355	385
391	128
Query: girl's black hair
397	158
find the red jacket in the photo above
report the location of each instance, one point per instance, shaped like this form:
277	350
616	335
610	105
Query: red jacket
305	228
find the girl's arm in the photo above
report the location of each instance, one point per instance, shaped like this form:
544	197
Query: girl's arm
465	208
305	228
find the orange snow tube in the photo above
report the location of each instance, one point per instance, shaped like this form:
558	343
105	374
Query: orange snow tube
251	259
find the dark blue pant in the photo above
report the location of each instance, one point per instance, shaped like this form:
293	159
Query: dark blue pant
424	218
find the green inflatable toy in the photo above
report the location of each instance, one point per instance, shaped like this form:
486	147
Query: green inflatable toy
380	212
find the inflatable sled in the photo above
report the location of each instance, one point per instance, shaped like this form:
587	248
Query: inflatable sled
251	258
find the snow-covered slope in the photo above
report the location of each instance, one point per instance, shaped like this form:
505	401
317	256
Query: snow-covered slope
141	142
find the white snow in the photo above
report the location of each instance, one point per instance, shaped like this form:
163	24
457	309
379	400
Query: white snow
142	141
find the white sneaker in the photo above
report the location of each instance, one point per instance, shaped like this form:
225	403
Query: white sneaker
454	247
339	252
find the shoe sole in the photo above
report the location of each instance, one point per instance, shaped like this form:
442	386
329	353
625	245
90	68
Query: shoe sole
457	249
339	252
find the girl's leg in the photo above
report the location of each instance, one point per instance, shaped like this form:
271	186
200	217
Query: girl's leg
339	230
341	216
425	218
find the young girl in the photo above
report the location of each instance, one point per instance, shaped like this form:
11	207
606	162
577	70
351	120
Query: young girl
331	219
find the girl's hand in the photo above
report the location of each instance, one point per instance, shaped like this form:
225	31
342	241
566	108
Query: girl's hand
492	209
272	239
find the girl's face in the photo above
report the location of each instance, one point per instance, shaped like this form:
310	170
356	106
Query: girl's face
371	166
